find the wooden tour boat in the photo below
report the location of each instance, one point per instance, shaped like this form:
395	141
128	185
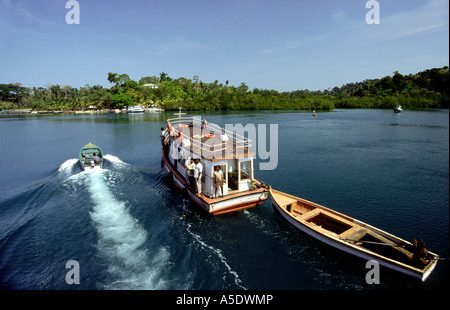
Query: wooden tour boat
188	137
86	157
355	237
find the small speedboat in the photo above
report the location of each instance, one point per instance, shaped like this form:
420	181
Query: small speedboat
398	109
91	157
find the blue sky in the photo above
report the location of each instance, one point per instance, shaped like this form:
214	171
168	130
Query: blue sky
269	44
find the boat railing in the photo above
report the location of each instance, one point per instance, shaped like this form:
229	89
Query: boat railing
231	143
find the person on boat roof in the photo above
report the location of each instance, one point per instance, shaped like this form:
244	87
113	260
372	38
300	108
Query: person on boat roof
211	135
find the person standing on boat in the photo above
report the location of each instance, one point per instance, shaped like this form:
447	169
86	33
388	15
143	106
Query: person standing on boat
218	180
198	176
162	137
190	169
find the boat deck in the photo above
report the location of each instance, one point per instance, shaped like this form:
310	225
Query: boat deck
210	142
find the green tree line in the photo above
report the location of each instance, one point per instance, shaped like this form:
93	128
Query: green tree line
426	89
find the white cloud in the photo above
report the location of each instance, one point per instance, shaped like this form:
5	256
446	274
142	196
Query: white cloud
32	15
431	17
424	20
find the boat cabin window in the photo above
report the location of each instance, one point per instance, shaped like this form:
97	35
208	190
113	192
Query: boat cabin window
246	170
233	178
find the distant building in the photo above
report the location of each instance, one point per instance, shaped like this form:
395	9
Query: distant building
150	85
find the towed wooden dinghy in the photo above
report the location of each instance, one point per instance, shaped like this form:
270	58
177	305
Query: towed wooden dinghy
355	237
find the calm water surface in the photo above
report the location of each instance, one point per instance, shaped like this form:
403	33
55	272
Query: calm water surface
129	228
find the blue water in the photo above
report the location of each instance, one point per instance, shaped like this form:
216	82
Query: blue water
130	228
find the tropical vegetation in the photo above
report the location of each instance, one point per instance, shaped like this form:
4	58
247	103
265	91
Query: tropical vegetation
426	89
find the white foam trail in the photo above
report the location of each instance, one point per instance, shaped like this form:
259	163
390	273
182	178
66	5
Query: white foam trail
237	281
116	161
121	239
67	166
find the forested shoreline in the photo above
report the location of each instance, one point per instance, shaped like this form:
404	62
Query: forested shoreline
426	89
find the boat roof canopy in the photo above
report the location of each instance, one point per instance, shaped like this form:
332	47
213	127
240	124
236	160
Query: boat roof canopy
209	140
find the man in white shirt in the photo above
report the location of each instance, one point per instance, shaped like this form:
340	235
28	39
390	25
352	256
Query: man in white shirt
198	175
190	171
218	180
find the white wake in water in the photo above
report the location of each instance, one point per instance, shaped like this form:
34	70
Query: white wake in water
116	161
67	166
121	240
218	252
